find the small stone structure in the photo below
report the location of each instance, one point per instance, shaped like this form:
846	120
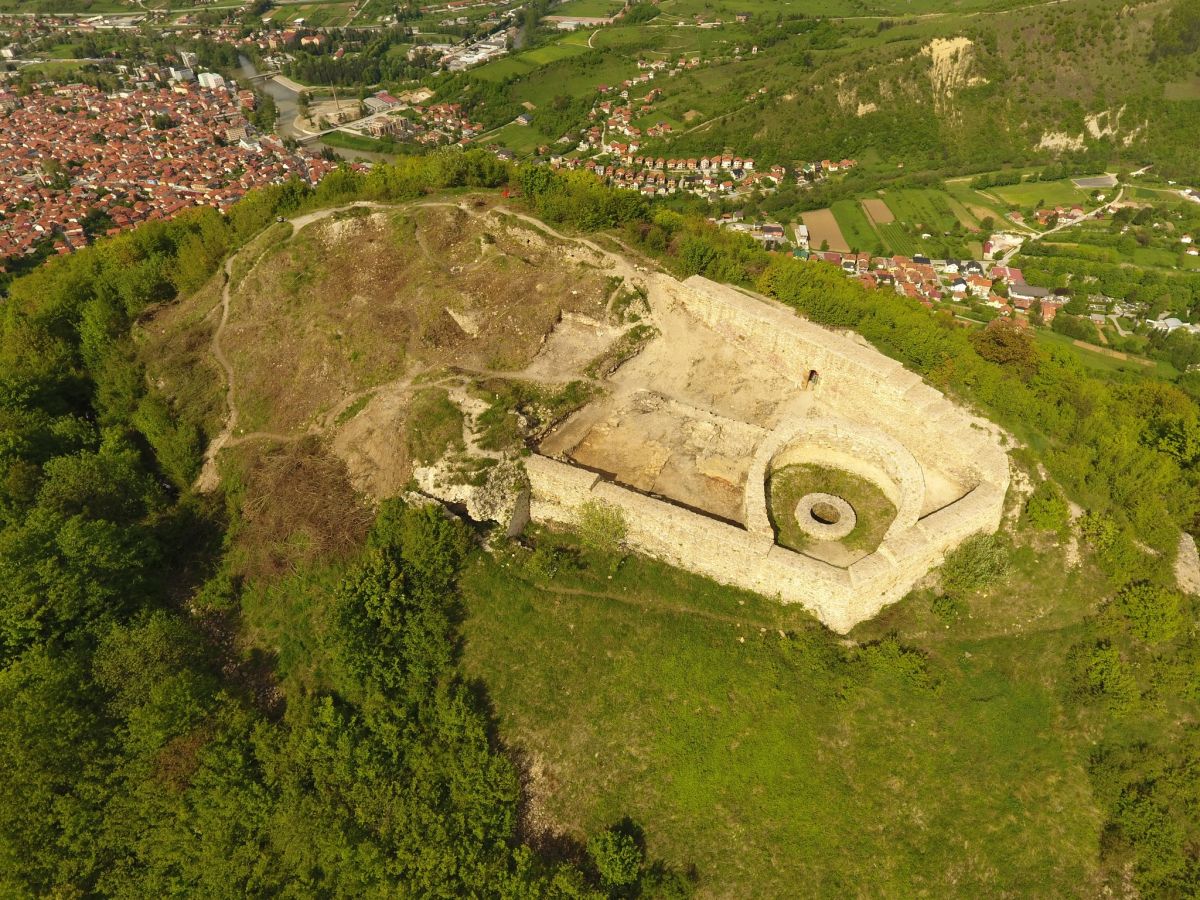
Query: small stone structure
825	517
943	468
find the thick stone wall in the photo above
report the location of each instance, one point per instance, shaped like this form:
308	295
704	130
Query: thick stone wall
865	451
841	598
857	382
874	417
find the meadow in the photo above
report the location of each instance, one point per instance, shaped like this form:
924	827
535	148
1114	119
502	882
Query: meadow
923	208
521	139
1043	193
856	228
314	14
756	749
531	61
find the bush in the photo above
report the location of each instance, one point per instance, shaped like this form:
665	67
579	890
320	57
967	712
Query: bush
976	563
602	527
1047	509
1154	613
1099	672
947	607
616	856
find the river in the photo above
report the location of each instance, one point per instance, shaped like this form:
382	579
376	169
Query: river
288	106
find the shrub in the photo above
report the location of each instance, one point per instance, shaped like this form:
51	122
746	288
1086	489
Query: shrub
1047	509
602	527
947	607
976	563
616	856
1154	613
1100	673
888	657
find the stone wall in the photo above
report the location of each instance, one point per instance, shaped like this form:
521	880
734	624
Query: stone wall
864	451
857	382
876	418
841	598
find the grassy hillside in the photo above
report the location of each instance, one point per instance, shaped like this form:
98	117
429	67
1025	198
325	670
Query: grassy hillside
763	756
965	86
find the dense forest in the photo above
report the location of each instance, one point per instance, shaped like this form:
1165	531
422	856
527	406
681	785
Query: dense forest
137	757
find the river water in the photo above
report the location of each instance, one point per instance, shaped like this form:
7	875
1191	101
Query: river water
287	103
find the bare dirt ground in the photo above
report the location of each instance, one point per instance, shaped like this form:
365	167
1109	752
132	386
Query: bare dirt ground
328	332
878	212
573	343
354	302
822	228
658	445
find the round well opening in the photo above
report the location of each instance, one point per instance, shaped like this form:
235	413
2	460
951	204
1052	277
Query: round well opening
825	513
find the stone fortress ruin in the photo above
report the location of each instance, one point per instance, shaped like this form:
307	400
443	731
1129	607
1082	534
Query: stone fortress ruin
735	388
737	439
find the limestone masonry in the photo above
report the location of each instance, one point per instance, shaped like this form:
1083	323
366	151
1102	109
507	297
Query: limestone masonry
686	441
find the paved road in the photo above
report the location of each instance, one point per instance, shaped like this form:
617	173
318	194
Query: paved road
1004	260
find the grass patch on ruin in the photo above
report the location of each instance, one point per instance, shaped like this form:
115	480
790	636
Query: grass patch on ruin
873	511
520	409
435	426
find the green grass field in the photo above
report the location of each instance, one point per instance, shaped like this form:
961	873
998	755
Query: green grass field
769	8
554	52
921	207
785	765
531	60
505	67
589	8
357	142
541	85
521	139
314	14
1045	193
855	228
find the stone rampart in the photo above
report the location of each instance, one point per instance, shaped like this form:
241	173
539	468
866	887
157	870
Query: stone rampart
864	451
856	381
874	418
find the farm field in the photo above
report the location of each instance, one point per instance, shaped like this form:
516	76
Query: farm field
976	203
878	211
1046	193
855	227
924	208
823	229
964	216
898	240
